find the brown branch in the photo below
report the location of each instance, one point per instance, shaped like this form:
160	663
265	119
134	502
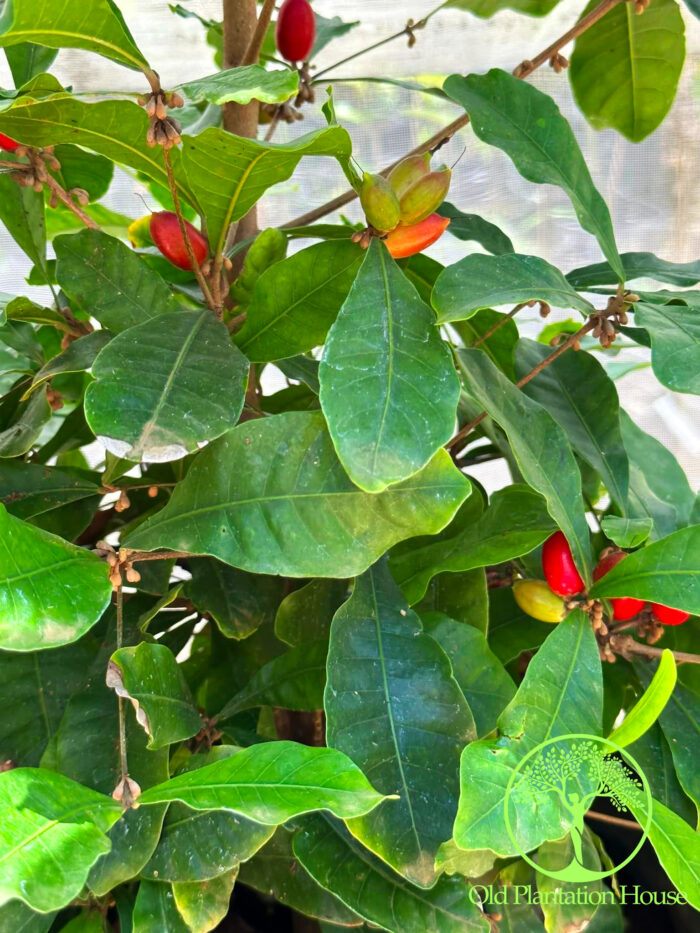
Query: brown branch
626	645
252	52
613	820
499	324
134	556
66	199
196	268
460	122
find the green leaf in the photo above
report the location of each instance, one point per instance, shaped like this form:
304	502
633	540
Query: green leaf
328	29
471	227
637	266
389	389
422	272
500	345
238	602
675	344
16	917
455	861
52	830
581	397
296	300
525	123
653	755
149	676
561	907
77	357
485	683
27	60
293	510
384	899
155	910
515	523
165	387
244	84
667	572
198	845
561	693
22	213
677	847
109	281
294	680
680	724
273	782
51	592
540	448
81	169
228	173
268	247
394	708
486	8
24	309
625	68
275	870
510	631
204	904
649	706
626	533
479	281
461	596
99	28
305	614
27	424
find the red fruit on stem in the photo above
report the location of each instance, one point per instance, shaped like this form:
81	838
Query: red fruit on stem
559	568
668	616
166	234
406	241
7	143
625	607
296	30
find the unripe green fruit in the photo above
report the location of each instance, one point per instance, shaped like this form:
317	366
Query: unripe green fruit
379	202
408	171
425	196
537	600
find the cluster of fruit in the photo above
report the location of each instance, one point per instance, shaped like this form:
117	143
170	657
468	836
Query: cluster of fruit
401	208
544	601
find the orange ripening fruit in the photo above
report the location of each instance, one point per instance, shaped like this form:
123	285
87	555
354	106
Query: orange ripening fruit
406	241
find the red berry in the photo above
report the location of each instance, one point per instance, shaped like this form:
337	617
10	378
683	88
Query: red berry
559	568
408	240
296	30
166	234
7	143
625	607
668	616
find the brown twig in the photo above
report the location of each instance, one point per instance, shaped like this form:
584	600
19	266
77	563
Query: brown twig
135	556
626	645
613	820
123	762
497	326
252	52
51	183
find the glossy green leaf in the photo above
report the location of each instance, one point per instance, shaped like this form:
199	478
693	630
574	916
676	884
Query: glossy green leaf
479	281
241	85
515	523
155	910
625	68
485	683
540	447
653	755
52	830
680	724
228	173
273	782
204	904
22	213
561	693
24	309
148	675
637	266
626	532
525	123
455	861
292	509
165	387
294	680
389	388
198	845
650	705
471	227
667	572
27	60
510	631
26	425
560	904
675	344
275	870
581	397
461	596
394	708
99	27
486	8
268	248
384	899
77	357
239	602
51	592
305	614
109	281
500	345
296	300
80	169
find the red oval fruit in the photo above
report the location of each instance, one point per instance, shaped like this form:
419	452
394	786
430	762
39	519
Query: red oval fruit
296	30
559	568
166	234
8	143
625	607
406	241
668	616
